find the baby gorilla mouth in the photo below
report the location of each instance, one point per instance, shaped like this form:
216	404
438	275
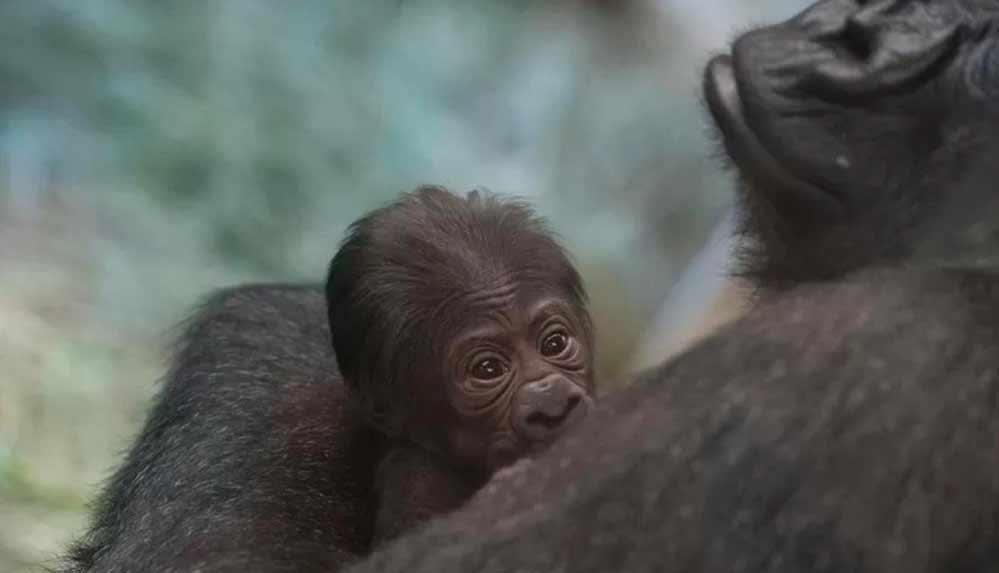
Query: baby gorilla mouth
783	189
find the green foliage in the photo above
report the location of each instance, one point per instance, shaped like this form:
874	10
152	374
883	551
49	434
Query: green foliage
268	121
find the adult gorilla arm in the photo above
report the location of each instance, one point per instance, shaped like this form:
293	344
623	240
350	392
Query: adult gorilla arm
413	486
247	452
844	427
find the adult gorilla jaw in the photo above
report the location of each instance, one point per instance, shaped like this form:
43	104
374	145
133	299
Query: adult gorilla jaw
782	188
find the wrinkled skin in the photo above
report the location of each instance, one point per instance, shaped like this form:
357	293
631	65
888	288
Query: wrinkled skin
850	422
462	342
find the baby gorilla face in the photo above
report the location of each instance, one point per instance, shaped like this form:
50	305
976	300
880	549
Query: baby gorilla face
460	326
520	372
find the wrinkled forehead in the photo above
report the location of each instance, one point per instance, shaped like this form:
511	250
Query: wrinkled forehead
505	305
510	296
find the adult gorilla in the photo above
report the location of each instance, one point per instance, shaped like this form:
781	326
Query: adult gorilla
851	421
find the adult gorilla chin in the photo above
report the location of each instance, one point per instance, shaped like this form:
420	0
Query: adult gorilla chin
850	422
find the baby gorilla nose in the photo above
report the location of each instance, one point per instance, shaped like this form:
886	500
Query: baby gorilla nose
553	421
546	407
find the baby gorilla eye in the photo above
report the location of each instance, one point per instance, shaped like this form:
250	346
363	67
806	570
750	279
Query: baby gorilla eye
489	369
554	344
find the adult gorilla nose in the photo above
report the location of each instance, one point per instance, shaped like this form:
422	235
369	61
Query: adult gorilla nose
544	408
865	50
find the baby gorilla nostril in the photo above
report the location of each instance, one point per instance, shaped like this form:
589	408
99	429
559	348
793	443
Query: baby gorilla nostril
542	386
574	401
542	419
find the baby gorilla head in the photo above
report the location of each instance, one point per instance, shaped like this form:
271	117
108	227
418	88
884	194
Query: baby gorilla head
460	325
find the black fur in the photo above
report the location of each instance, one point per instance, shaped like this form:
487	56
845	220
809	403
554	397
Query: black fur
235	468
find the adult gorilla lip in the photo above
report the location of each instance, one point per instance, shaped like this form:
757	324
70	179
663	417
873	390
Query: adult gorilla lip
781	186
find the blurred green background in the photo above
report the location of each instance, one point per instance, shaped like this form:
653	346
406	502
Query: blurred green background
151	151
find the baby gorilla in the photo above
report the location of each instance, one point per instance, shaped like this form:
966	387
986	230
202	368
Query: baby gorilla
463	342
461	330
